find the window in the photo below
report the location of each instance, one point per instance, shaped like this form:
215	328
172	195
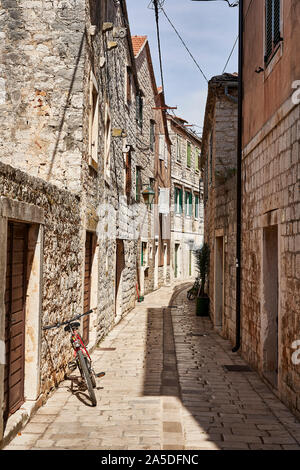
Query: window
178	200
138	183
196	206
152	134
139	110
188	203
107	135
144	254
178	148
128	85
161	149
128	176
188	154
197	159
93	122
272	27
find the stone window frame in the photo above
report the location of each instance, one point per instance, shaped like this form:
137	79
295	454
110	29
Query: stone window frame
144	253
188	205
178	200
128	85
152	134
93	122
197	159
90	227
107	142
268	55
196	216
268	220
13	210
178	148
189	158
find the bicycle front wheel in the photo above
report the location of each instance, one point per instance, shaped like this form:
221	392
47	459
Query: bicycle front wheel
87	377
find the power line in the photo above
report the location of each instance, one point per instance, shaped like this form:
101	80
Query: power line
189	52
230	53
236	38
155	2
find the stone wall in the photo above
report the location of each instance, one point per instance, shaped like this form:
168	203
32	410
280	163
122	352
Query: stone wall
42	67
60	270
188	232
219	152
271	201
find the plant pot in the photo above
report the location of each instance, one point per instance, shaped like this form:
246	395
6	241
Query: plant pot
202	307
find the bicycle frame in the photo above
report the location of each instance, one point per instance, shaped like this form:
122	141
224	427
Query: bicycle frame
77	342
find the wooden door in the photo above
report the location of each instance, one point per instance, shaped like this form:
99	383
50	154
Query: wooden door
15	299
87	285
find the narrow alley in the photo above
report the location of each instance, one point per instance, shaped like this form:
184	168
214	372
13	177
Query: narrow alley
166	387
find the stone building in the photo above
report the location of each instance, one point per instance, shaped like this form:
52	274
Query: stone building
266	328
270	297
186	198
71	111
153	172
218	162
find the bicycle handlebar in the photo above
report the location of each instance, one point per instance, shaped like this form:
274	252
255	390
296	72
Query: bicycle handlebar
58	324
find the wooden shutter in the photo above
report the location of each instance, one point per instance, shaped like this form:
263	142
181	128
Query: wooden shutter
15	298
196	207
152	134
128	176
189	154
276	22
272	27
197	159
128	85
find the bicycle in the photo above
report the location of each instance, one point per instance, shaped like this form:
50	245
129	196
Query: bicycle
82	358
192	293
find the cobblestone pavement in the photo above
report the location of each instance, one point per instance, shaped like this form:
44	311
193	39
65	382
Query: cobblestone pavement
152	398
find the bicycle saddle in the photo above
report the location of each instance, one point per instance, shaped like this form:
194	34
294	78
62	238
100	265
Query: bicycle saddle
73	325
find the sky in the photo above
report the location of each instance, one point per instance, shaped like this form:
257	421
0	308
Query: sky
209	30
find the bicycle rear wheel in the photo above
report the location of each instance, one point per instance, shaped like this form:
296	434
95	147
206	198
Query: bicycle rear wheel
86	376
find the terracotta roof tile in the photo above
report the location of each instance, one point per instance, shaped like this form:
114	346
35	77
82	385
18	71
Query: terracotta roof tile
137	43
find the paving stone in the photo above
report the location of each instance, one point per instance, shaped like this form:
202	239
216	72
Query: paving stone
207	409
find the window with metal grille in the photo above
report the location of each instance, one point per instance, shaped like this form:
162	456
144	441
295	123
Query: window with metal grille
272	33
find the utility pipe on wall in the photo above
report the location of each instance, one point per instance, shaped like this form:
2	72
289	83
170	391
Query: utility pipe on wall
239	181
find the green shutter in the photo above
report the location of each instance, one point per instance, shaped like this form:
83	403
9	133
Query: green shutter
189	155
197	159
191	205
196	207
180	201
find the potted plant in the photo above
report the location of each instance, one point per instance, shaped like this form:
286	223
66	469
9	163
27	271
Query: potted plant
202	264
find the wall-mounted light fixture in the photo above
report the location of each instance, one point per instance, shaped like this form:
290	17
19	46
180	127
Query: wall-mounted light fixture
148	195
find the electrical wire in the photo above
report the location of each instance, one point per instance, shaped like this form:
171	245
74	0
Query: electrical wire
189	52
156	8
235	43
230	54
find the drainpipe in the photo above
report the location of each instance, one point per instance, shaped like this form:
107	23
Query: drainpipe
239	182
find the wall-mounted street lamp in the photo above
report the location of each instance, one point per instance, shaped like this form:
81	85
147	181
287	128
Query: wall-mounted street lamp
148	195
